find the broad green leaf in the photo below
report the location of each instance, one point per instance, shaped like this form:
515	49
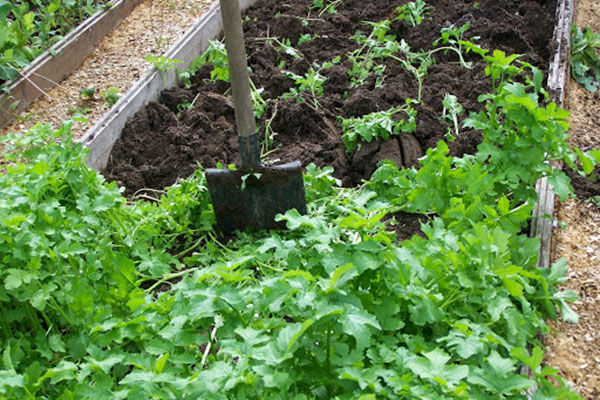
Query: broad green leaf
289	335
159	366
107	363
434	366
356	323
10	379
341	275
533	361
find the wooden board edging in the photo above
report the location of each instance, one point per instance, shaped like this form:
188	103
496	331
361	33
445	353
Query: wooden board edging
64	57
102	136
541	224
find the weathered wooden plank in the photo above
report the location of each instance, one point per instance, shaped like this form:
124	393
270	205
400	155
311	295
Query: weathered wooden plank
69	53
542	222
102	136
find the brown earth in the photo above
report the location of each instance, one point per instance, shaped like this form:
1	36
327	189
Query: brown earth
162	143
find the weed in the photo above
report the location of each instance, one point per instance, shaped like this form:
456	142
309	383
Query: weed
284	45
325	6
585	57
306	38
452	109
186	105
378	125
163	64
413	12
88	93
311	82
111	96
28	28
378	45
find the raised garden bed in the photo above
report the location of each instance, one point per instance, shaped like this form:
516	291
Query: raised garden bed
56	63
161	143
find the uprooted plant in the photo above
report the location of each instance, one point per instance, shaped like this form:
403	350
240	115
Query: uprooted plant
378	125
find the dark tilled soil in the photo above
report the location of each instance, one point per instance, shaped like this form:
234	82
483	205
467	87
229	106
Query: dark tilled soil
585	187
161	144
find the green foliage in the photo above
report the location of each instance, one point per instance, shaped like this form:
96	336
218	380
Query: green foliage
378	125
377	46
451	111
311	83
413	12
585	57
163	64
106	298
325	6
30	27
110	96
515	121
88	93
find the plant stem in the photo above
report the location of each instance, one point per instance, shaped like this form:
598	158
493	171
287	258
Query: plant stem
168	278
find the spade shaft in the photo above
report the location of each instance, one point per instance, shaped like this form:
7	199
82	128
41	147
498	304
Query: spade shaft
253	194
240	82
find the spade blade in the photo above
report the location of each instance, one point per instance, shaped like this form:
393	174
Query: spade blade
252	197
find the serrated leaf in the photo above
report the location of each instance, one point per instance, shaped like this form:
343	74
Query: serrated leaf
434	366
106	364
356	323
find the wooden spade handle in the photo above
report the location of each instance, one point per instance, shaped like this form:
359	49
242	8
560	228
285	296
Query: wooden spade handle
238	67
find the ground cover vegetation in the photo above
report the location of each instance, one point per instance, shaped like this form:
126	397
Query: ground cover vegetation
108	297
585	57
27	28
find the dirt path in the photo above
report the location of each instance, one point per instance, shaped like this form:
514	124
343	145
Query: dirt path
118	62
575	349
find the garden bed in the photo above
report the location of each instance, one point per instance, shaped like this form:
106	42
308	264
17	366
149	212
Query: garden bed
107	297
60	60
162	142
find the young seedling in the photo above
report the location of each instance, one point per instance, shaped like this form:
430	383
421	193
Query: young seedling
378	45
307	37
312	83
163	64
451	111
413	12
325	6
416	63
88	93
186	105
111	96
452	39
284	45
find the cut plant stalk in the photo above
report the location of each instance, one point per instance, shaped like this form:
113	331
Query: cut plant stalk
253	194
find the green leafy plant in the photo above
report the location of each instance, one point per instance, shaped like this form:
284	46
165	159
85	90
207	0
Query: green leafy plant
378	125
452	109
163	64
306	38
284	45
413	12
102	297
110	96
28	28
88	93
585	57
325	6
310	83
378	45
